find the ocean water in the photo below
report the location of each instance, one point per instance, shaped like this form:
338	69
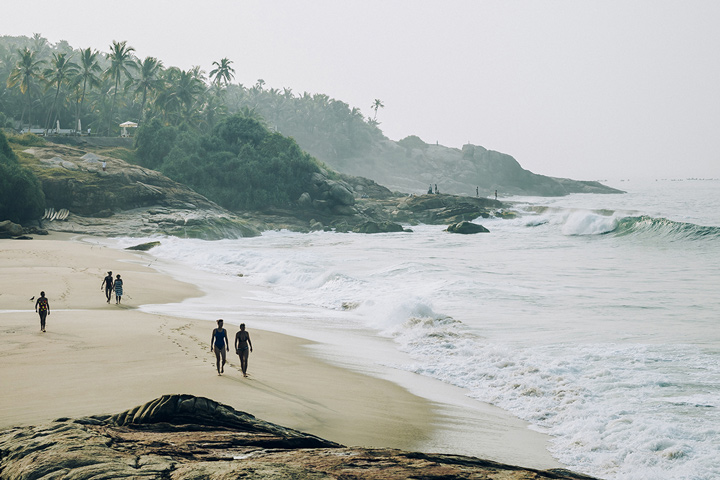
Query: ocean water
593	317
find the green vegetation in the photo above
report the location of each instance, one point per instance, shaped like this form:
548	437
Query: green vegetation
234	144
240	164
41	84
21	196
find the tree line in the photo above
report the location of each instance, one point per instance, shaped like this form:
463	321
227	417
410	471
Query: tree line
43	84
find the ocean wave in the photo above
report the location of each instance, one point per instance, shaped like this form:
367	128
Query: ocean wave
579	222
668	229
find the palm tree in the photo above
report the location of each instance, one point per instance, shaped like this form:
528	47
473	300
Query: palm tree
223	72
120	62
377	104
148	80
22	76
87	75
59	72
183	88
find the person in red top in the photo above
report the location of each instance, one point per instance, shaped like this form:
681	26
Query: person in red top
42	306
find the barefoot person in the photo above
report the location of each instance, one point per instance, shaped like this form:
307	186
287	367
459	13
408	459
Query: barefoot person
118	286
108	284
219	344
42	307
243	347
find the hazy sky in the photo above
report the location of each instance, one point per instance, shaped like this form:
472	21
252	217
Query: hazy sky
570	88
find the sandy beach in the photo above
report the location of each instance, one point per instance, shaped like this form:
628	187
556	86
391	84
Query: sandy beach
98	357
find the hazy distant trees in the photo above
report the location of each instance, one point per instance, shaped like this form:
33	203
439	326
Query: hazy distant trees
142	90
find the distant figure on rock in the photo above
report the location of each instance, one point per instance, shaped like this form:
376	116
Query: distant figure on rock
430	190
108	284
495	194
104	165
436	189
219	344
243	347
477	191
118	286
42	307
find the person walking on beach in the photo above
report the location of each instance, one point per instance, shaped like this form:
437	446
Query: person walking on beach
108	284
118	287
243	347
219	344
42	307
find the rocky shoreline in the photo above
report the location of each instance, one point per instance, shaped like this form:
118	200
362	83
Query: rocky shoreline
187	437
107	196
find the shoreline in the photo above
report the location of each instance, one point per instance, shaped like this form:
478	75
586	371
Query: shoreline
99	358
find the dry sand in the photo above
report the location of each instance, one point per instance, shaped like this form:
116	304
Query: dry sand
104	358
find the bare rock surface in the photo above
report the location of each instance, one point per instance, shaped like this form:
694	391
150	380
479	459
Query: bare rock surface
187	437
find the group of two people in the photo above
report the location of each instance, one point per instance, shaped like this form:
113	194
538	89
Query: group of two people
111	285
219	344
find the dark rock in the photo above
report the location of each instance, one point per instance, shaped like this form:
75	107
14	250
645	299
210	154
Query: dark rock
9	229
466	228
378	227
144	247
184	437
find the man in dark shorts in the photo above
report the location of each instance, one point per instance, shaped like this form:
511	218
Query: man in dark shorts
243	347
219	344
42	307
108	283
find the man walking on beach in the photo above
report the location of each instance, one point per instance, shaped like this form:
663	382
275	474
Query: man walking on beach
219	344
243	347
108	283
42	306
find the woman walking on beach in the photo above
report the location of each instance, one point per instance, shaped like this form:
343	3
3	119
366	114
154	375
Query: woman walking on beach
243	347
118	286
42	306
219	344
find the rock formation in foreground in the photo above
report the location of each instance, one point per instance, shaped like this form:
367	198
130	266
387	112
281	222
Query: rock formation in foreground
187	437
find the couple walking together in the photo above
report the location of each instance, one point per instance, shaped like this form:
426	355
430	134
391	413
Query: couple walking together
110	285
220	344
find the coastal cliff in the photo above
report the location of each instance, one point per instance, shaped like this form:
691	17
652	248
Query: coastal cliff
411	165
186	437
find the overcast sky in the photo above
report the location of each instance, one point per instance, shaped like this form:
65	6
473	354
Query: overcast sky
570	88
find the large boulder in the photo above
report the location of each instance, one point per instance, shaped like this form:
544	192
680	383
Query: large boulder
9	229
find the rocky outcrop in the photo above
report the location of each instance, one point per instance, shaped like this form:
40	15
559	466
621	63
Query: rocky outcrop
466	228
440	209
413	166
108	196
185	437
